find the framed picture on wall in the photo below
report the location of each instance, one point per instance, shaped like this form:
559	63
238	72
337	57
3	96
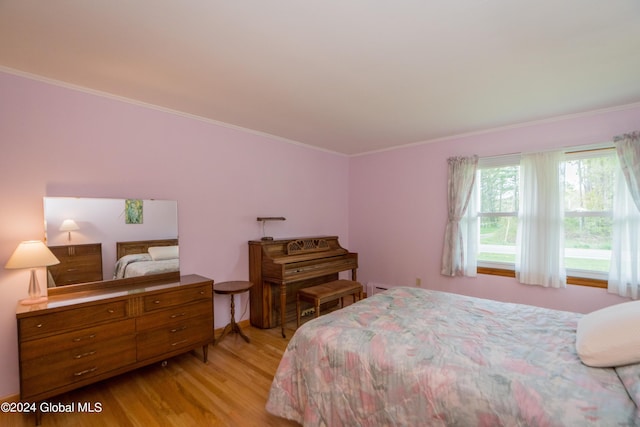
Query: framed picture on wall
133	210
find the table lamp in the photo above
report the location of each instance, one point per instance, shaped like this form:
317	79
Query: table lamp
32	254
69	225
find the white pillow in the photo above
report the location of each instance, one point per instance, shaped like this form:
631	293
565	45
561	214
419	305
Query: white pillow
610	337
159	253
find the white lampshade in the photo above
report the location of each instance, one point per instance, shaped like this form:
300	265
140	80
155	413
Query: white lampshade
32	254
69	225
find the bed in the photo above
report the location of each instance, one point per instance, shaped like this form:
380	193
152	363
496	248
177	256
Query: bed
146	257
410	356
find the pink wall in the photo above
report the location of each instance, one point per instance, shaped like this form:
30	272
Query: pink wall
397	208
61	142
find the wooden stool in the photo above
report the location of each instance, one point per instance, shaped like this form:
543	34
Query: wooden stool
231	289
327	292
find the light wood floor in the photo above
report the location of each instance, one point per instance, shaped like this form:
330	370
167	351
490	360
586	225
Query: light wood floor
230	390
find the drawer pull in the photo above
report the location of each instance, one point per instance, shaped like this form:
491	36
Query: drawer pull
87	337
80	356
201	292
182	328
70	270
157	301
86	371
111	311
39	325
173	316
178	343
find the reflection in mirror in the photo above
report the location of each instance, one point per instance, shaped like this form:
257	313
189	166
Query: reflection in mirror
105	239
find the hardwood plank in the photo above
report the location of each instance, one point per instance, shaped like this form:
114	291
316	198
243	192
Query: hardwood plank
230	390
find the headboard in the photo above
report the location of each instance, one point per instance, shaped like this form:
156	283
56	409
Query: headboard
141	246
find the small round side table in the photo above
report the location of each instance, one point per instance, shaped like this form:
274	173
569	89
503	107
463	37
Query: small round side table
232	288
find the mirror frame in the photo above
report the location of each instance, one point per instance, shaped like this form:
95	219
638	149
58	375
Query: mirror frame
107	284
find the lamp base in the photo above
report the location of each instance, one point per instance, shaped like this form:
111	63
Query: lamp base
34	291
30	301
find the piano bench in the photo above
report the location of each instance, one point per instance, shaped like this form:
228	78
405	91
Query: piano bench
327	292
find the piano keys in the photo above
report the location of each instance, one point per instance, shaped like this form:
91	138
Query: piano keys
279	268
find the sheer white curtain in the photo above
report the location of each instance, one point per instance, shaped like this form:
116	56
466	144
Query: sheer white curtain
624	273
540	241
458	258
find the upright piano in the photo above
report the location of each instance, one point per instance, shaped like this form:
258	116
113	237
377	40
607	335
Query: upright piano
279	268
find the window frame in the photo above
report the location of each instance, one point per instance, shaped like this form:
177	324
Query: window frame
579	277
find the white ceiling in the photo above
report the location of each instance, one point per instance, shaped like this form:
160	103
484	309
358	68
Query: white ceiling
349	76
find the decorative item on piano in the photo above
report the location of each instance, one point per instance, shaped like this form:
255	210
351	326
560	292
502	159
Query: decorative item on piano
264	219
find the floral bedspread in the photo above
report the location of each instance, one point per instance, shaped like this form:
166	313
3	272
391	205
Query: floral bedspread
135	265
414	357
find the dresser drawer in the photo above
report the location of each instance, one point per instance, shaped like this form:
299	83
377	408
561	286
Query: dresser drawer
78	263
174	315
76	340
31	327
88	262
174	337
76	251
78	356
77	275
179	297
63	371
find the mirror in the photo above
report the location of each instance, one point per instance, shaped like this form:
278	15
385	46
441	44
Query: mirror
106	239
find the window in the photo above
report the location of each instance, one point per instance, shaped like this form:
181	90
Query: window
498	214
588	180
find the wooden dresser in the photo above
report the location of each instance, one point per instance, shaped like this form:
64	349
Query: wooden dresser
77	339
78	264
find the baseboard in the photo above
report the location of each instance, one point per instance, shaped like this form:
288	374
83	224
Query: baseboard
10	398
243	324
373	288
